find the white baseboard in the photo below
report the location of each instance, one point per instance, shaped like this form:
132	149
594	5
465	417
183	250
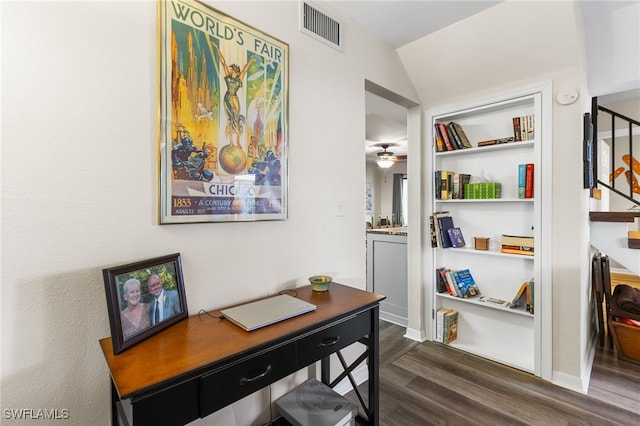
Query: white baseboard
416	335
568	381
393	319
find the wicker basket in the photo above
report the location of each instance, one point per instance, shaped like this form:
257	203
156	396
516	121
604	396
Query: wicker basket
627	340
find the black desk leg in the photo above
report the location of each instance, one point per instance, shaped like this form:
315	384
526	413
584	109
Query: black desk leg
114	407
325	370
373	361
374	364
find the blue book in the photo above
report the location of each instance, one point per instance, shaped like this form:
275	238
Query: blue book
522	178
444	223
455	235
466	283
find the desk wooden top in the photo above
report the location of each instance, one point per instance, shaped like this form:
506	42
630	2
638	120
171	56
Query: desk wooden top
201	340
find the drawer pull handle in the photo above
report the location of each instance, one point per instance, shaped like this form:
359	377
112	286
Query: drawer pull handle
329	341
259	376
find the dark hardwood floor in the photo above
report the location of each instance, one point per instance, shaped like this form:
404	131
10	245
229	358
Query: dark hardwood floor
433	384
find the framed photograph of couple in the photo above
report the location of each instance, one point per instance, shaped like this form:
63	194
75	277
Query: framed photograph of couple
144	298
223	114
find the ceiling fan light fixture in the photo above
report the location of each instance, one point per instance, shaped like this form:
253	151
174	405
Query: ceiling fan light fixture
385	159
385	163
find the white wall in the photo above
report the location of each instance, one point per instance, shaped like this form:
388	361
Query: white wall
79	183
510	45
613	38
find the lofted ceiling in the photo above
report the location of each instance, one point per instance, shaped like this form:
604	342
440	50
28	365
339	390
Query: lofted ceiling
401	22
386	122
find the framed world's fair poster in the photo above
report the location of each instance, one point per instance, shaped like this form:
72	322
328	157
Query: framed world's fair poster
223	118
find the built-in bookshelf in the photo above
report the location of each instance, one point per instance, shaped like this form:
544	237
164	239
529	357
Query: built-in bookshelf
512	336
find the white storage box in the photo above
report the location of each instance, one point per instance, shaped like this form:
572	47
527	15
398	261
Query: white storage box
315	404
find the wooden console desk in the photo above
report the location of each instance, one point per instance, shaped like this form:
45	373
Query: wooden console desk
202	364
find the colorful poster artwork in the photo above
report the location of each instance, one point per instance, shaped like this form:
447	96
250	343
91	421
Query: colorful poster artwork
223	118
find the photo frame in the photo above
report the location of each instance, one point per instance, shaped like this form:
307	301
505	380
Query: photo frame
144	298
223	118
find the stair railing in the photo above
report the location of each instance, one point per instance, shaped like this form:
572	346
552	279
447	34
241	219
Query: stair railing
592	180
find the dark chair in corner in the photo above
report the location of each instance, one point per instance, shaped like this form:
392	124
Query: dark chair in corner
623	302
597	286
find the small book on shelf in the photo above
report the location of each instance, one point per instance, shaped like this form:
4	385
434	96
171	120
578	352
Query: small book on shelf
443	184
452	286
461	134
432	231
515	244
520	251
441	281
494	301
443	224
517	131
528	181
521	295
445	135
522	173
441	312
465	283
440	146
525	180
450	332
516	240
453	135
523	128
446	325
456	237
529	305
436	226
496	141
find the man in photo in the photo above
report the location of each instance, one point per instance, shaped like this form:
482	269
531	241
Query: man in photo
164	303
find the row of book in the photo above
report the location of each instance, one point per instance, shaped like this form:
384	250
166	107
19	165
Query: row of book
446	325
450	136
443	232
449	185
524	294
459	283
525	180
517	244
523	128
456	186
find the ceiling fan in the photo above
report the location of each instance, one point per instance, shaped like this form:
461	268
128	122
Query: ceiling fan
386	159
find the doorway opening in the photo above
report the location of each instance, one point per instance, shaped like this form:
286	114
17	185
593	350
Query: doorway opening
387	201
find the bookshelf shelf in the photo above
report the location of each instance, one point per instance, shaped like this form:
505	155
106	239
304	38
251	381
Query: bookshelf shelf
488	149
513	337
492	252
488	200
487	305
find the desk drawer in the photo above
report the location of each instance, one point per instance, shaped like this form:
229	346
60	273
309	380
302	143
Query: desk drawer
325	342
227	385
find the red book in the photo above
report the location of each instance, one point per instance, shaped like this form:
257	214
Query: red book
516	129
528	182
443	132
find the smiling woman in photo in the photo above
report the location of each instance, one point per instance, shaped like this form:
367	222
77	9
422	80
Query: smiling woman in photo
136	316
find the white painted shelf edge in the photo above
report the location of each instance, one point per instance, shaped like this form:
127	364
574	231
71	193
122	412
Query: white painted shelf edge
487	200
488	252
498	147
476	301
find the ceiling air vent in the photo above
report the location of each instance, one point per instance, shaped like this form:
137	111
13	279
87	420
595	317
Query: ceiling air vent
319	25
